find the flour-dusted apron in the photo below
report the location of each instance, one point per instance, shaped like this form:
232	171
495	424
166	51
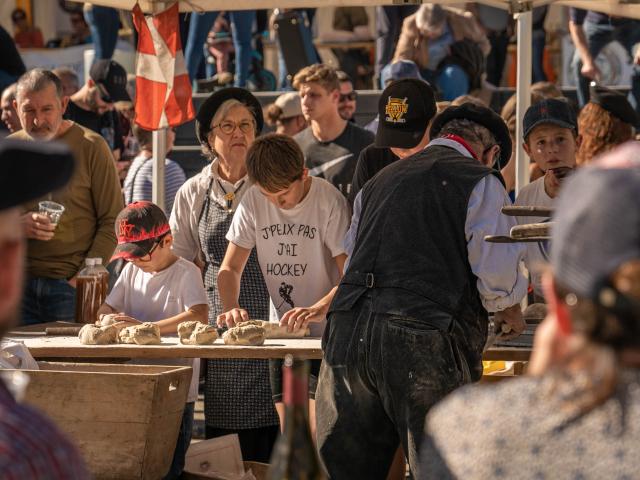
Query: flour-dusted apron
237	393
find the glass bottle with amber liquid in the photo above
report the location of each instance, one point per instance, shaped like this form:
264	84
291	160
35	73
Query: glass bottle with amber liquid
294	455
92	284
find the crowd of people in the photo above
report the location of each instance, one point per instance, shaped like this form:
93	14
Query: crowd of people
373	238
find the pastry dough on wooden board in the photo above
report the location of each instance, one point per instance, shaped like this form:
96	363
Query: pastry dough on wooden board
196	333
245	334
273	330
144	334
93	335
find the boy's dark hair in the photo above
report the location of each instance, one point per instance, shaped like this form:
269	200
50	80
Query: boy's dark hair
274	162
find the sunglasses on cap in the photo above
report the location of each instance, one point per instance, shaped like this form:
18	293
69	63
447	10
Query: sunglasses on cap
351	96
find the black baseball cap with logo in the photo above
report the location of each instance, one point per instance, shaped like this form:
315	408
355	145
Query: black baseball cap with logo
405	109
550	111
139	226
111	79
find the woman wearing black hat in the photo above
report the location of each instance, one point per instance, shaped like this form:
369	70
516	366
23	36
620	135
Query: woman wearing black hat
605	122
238	394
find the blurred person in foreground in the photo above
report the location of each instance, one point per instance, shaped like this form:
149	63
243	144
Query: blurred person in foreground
576	415
30	445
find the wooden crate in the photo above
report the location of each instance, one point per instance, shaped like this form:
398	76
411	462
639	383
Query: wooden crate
124	419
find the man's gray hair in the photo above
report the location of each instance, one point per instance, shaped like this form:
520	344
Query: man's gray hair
10	92
469	131
36	80
62	72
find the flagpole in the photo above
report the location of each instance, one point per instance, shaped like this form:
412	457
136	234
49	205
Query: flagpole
159	154
159	149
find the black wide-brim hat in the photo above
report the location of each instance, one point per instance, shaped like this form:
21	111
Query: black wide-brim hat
32	169
212	104
483	116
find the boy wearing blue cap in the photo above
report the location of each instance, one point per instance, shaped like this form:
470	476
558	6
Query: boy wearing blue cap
551	140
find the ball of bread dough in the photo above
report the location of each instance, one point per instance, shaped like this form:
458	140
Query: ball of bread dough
144	334
196	333
94	335
248	334
108	319
274	330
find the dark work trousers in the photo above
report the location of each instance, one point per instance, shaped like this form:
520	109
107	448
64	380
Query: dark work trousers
497	57
380	375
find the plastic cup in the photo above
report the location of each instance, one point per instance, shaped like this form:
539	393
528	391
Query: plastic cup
52	210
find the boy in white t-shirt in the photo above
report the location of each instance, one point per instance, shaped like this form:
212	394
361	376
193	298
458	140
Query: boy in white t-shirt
297	224
551	140
157	286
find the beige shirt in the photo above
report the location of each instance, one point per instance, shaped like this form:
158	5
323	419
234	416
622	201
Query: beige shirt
92	201
188	205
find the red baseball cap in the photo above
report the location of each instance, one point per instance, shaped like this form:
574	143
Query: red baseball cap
138	227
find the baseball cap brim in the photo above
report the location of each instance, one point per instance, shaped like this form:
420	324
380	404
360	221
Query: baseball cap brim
552	121
390	137
133	250
32	169
116	93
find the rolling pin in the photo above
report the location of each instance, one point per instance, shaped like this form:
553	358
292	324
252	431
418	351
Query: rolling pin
62	331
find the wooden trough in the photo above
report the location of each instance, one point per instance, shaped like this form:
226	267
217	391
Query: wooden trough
124	419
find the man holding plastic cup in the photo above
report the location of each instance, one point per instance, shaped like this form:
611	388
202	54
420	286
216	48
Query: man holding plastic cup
91	201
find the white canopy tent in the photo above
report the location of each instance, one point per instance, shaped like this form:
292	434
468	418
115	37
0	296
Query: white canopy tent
521	9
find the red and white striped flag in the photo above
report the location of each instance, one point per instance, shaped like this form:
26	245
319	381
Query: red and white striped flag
163	88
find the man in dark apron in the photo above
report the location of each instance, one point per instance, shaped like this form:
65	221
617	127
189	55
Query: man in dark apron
409	319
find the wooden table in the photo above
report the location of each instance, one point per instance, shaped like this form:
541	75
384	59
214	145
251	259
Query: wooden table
42	346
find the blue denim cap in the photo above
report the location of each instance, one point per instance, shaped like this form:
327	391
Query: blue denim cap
550	110
597	222
399	70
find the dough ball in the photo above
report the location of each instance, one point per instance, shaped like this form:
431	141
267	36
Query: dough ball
94	335
247	334
108	319
274	330
535	313
196	333
144	334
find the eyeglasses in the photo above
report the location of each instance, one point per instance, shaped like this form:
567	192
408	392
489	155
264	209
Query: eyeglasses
147	256
229	127
351	96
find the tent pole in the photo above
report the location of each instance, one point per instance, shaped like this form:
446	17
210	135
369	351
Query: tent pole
159	148
159	154
523	89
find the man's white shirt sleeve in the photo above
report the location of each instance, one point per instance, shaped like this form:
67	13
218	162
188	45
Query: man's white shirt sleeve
501	284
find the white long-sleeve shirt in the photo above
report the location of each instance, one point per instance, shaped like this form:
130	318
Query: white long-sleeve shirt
501	283
188	205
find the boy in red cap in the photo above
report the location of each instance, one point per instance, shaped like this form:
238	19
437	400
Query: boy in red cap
157	286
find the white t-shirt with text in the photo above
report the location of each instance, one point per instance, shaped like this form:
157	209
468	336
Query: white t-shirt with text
537	253
296	248
150	297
